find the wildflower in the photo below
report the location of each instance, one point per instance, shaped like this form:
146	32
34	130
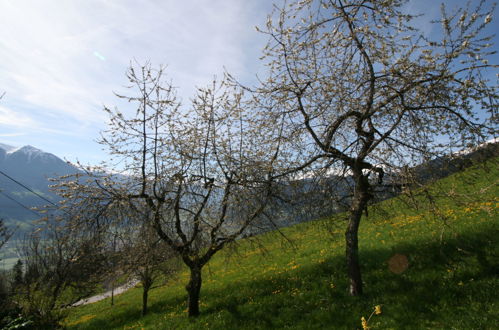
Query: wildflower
377	309
364	323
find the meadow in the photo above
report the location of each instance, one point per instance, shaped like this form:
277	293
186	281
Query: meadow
296	278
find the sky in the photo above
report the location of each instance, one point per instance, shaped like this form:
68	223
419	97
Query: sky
61	60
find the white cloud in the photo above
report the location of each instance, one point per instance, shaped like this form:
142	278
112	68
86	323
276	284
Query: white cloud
60	61
15	120
48	47
11	134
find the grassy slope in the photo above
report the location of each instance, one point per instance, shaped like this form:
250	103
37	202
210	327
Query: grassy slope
451	281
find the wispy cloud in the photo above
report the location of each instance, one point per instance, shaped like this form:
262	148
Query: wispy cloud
60	61
11	134
15	120
68	56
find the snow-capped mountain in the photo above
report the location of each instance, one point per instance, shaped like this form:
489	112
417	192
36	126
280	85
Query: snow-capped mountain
6	147
33	168
29	153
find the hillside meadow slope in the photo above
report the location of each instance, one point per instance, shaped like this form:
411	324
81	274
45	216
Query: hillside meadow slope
299	282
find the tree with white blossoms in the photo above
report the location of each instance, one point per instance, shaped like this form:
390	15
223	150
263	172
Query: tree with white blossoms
199	173
355	84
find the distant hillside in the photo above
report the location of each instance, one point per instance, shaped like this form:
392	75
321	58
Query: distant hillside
312	198
33	168
443	166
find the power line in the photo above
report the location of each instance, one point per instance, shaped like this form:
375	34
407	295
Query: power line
19	203
27	188
30	190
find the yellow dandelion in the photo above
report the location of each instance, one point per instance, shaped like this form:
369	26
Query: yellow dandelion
364	323
377	309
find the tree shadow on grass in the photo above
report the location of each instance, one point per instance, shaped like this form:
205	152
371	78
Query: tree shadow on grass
456	275
447	284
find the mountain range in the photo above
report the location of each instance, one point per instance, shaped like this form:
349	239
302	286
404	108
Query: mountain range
21	170
25	174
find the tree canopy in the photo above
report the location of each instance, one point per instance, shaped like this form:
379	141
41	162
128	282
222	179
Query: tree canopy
198	176
357	86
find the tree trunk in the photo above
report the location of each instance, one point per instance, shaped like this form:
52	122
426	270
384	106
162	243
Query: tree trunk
145	294
146	278
359	203
193	290
112	294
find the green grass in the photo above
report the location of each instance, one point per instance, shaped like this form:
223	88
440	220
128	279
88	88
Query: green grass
451	282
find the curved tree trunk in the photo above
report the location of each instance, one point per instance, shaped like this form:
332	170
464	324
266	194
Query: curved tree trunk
194	289
359	204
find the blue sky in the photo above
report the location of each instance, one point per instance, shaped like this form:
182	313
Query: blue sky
61	60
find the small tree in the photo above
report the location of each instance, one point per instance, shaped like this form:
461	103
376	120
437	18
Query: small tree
58	272
5	233
146	258
199	173
359	89
17	275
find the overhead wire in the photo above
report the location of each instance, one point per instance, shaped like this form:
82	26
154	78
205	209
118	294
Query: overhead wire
19	203
28	188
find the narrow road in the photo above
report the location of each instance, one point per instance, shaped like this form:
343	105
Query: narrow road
107	294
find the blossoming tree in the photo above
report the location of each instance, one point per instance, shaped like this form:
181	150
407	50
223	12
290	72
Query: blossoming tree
198	173
355	84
